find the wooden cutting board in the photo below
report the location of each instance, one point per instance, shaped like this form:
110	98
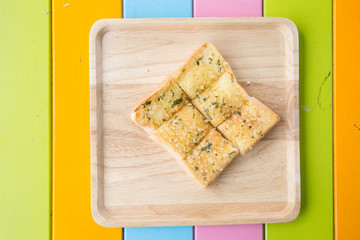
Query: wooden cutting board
135	182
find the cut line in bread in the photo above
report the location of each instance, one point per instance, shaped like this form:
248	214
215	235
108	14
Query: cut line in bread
221	99
208	159
246	127
183	131
203	68
160	106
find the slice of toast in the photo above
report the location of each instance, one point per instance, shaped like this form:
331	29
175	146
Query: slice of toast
208	159
221	99
203	68
246	127
160	106
183	131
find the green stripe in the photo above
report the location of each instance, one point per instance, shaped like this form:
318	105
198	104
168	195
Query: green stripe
25	119
314	22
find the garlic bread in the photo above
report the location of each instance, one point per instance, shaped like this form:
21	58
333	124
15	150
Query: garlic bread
203	68
160	106
246	127
208	159
183	131
221	99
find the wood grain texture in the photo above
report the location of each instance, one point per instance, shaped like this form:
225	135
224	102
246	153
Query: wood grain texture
314	21
137	183
71	212
346	116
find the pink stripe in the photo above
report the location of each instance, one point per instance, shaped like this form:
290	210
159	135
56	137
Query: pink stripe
229	232
228	8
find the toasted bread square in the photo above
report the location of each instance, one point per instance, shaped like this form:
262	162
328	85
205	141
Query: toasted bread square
183	131
203	68
221	99
246	127
208	159
160	106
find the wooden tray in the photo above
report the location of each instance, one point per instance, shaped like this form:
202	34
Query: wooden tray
135	182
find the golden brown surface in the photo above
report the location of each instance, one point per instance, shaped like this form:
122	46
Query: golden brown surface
208	159
182	132
246	127
203	68
160	106
221	99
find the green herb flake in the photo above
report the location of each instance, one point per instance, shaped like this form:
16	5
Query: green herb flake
161	96
231	153
196	168
146	103
177	101
250	127
252	137
197	63
222	105
193	115
207	113
172	93
219	62
207	147
239	113
210	60
216	104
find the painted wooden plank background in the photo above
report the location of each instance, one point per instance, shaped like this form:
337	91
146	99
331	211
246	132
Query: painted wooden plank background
230	232
228	8
314	22
159	233
158	9
72	21
346	118
25	123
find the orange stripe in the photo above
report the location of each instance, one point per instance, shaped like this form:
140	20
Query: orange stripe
347	118
72	21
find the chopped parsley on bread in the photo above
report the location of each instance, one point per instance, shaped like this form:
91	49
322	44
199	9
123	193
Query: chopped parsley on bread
221	99
246	127
183	131
208	159
152	112
203	68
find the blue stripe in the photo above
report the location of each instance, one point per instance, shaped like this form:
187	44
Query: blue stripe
159	233
157	8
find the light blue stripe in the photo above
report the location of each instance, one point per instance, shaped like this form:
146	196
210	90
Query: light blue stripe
157	8
159	233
